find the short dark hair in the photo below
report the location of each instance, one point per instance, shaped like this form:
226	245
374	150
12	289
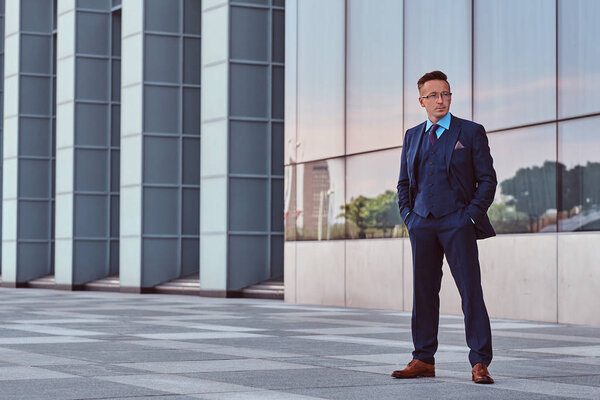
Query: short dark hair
430	76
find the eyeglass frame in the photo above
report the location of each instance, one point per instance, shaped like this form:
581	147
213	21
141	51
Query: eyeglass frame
434	96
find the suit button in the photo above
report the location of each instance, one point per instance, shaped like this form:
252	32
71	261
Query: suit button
433	152
431	173
431	206
431	184
430	195
430	163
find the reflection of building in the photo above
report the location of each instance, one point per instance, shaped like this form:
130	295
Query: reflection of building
352	67
105	172
316	198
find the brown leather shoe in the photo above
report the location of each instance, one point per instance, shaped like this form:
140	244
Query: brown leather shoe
480	374
415	369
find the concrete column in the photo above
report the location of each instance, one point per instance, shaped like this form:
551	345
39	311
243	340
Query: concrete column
28	191
87	151
241	216
160	142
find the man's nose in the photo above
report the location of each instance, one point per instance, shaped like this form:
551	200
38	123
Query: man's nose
439	98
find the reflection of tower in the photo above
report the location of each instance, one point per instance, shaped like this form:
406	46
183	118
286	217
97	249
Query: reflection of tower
316	198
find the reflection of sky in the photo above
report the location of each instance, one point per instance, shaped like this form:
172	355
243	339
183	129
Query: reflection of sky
371	174
522	148
578	140
450	38
515	62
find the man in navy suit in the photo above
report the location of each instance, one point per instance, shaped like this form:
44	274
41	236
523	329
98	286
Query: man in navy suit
447	182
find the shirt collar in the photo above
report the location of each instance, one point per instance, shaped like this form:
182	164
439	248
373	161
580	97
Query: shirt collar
444	122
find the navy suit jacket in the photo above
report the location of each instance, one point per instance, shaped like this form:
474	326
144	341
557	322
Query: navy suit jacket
469	167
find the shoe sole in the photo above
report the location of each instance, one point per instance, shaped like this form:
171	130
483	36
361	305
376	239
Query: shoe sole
425	375
486	382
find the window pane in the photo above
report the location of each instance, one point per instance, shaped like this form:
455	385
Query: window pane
192	16
579	160
162	15
34	178
191	60
92	33
374	77
190	218
36	15
249	28
248	204
92	79
35	54
452	53
371	201
34	95
161	109
161	210
248	90
515	62
525	162
248	147
191	111
278	36
320	200
161	160
91	172
579	58
161	59
91	216
191	161
320	79
91	124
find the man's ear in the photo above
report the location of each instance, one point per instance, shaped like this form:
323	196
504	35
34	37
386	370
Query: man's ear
421	102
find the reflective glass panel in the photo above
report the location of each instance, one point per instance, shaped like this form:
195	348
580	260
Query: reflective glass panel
514	76
320	200
374	75
451	54
525	163
371	199
579	163
578	58
320	79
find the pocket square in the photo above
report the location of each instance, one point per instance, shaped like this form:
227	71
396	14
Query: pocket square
459	146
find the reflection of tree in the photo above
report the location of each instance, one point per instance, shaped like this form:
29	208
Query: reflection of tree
530	194
373	215
533	190
581	187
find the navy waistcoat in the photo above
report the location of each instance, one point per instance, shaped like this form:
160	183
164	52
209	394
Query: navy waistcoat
435	195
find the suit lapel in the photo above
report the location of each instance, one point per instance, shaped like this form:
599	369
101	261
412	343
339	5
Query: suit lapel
415	147
451	140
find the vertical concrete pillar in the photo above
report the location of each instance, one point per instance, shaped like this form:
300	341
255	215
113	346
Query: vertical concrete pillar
2	22
160	141
28	181
241	216
87	146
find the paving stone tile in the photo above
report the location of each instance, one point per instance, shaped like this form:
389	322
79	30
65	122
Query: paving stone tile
293	379
441	390
214	366
176	384
19	373
70	389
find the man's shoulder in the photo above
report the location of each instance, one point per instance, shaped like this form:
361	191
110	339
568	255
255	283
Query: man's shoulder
416	129
467	125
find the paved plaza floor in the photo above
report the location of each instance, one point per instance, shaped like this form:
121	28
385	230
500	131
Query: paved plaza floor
94	345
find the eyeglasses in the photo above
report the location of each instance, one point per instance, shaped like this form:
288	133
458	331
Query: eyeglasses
434	96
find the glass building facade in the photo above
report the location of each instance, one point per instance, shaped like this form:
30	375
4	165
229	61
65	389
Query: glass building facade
527	71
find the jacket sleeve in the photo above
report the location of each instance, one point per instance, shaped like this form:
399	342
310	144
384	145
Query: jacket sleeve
485	176
404	183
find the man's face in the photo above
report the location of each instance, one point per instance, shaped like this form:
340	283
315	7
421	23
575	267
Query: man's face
436	106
